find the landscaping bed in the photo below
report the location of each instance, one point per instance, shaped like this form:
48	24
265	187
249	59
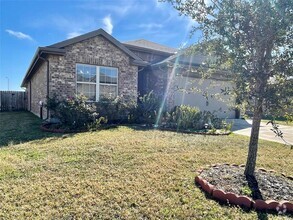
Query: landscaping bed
58	128
75	114
201	132
265	191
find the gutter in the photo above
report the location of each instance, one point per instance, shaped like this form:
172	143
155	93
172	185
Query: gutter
40	50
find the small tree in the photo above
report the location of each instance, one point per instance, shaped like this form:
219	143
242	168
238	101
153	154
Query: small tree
254	38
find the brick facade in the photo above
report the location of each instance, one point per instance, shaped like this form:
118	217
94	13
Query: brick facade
97	51
94	51
37	90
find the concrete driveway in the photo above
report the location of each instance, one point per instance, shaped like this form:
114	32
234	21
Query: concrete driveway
243	127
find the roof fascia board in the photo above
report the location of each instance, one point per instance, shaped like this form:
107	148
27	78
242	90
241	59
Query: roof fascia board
139	63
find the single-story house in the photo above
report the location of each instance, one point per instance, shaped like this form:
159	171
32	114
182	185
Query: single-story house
96	65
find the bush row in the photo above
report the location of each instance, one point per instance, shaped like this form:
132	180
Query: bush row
76	113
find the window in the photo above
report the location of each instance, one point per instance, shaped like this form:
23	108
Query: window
96	82
108	82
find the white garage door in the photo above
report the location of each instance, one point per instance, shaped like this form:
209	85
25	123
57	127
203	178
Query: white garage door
190	92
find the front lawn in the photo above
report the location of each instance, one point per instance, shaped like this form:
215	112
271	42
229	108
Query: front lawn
120	173
20	127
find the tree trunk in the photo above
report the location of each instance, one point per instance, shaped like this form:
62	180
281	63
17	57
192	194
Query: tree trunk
253	144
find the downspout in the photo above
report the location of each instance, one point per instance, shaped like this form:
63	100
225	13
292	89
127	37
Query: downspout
48	65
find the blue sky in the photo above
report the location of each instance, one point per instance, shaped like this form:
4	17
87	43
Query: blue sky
27	24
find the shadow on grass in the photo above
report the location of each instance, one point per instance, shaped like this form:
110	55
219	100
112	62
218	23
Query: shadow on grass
21	127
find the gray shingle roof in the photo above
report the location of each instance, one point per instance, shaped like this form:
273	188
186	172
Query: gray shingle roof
141	43
182	58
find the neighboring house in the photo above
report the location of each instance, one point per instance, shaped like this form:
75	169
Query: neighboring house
96	65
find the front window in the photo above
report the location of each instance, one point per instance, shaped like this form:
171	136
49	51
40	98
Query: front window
96	82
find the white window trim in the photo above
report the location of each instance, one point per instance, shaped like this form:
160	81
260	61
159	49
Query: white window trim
97	83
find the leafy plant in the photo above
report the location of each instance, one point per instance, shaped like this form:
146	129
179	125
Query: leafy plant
289	117
185	117
114	110
75	113
146	109
245	190
188	117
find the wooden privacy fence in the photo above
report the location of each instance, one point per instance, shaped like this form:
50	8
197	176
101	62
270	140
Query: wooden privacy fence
13	101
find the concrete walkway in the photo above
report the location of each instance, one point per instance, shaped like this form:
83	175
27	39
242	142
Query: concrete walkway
243	127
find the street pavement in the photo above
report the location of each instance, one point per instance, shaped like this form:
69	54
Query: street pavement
243	127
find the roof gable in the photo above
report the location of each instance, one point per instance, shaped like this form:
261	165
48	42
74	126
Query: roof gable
58	48
99	32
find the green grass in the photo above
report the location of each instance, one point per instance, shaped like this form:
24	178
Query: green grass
120	173
20	127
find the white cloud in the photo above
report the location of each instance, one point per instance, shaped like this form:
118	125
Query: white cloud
19	35
108	26
73	34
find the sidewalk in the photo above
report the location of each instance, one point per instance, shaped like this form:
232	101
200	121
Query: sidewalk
243	127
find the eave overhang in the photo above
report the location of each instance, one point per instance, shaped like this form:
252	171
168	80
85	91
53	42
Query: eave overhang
41	52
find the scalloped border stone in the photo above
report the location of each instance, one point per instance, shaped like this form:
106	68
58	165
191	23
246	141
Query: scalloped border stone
241	200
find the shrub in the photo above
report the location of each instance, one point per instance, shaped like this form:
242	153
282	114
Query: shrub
212	120
114	110
146	109
187	117
75	113
184	117
288	117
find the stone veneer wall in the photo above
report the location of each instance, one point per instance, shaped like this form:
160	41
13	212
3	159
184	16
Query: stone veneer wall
95	51
39	90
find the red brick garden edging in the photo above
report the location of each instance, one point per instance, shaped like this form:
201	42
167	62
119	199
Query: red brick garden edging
245	201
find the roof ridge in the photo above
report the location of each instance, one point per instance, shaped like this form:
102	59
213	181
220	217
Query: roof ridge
142	39
147	44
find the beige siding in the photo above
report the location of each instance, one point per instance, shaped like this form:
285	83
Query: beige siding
222	104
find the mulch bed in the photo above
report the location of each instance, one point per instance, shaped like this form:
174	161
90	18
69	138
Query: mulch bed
53	128
202	132
265	185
